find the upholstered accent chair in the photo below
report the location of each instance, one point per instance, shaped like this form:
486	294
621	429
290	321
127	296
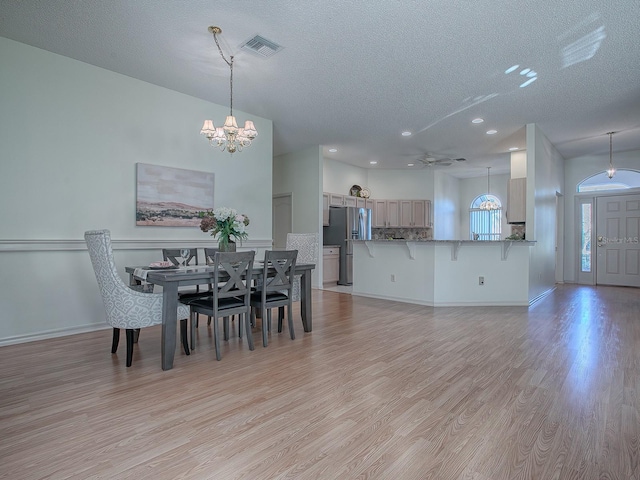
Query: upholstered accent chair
125	307
307	245
275	290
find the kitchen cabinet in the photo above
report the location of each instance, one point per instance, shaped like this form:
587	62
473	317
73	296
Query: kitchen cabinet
330	265
386	213
517	200
336	200
415	213
325	209
350	201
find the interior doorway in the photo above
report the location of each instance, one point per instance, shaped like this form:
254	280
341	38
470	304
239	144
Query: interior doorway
559	238
617	240
281	219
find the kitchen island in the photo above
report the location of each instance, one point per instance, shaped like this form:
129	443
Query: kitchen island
443	272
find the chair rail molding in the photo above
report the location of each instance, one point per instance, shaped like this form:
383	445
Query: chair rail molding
53	245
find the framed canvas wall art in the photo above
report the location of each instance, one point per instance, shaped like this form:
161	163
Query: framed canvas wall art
172	197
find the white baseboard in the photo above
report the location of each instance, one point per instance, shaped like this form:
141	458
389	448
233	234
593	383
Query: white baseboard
63	332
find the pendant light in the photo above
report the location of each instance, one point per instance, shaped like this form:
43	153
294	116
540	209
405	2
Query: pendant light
611	171
228	137
489	203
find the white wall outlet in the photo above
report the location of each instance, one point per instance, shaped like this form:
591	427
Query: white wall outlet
480	280
393	277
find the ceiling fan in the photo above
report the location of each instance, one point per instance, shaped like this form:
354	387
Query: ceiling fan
431	160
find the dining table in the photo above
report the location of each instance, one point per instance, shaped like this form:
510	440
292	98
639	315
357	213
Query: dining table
172	278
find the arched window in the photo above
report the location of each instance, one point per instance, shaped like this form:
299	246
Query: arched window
485	224
623	179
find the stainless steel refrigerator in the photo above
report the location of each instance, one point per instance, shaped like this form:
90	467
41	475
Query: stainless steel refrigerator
345	225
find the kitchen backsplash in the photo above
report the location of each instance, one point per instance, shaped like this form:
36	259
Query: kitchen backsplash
406	233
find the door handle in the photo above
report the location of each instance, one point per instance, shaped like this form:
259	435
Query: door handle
600	239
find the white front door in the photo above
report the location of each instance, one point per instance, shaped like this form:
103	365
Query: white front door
617	240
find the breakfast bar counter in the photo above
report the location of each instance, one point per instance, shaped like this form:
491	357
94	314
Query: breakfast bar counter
443	272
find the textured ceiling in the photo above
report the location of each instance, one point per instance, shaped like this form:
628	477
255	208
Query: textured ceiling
354	75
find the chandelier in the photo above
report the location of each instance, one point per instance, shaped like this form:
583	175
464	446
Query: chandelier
229	136
611	171
489	203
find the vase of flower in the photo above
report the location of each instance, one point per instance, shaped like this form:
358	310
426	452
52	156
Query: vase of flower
226	224
228	246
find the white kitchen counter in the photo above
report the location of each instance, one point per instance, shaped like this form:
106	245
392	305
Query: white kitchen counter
443	272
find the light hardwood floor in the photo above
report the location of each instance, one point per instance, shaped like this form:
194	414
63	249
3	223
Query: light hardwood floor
379	390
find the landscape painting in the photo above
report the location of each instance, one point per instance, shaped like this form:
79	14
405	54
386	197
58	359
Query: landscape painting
171	197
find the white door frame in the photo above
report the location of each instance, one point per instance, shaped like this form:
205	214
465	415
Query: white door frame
589	278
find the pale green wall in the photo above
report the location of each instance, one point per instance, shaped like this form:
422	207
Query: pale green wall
300	174
339	177
401	184
70	136
545	178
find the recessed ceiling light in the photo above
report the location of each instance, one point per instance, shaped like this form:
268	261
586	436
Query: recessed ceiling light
477	120
406	134
513	149
410	164
511	69
492	132
373	162
333	150
525	71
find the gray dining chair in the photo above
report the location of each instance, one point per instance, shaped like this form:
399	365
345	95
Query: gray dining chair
230	295
275	290
188	294
125	307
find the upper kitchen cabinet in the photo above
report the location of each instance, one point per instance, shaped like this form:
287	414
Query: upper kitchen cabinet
415	213
337	200
386	213
350	201
325	209
517	200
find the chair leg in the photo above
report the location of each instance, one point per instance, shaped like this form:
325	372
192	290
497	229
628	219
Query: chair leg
265	323
183	336
240	325
292	333
216	338
280	318
136	335
253	318
129	335
247	323
225	328
116	340
194	325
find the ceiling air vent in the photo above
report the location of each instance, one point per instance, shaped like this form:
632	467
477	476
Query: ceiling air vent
261	46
